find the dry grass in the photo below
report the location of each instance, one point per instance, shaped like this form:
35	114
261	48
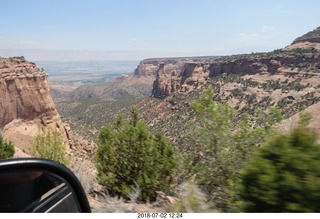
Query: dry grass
191	200
109	204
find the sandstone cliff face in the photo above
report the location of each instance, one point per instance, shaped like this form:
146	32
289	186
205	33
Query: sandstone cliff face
192	76
25	97
302	55
24	93
146	68
164	85
246	65
160	85
149	67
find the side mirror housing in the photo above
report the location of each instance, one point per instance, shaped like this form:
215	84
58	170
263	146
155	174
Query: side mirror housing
39	185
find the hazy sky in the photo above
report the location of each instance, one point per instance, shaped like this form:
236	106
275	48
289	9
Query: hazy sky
158	28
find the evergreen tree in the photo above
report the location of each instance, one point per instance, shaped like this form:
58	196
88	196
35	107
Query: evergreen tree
224	140
49	145
284	175
130	156
6	149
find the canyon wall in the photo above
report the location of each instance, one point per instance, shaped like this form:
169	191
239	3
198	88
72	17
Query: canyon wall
25	100
149	67
194	74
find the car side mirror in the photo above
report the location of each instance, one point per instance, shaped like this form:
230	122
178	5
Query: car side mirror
39	185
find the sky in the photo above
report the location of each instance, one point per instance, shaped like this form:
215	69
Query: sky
136	29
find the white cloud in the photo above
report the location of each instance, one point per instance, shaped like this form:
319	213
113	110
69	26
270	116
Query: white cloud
264	38
132	40
27	42
263	35
266	28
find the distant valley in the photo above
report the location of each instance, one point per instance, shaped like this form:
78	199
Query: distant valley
68	75
112	89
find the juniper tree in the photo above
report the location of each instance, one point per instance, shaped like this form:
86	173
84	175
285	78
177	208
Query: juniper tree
6	148
284	175
130	156
49	145
224	140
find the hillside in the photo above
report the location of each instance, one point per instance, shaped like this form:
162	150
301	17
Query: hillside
287	78
310	36
91	106
310	40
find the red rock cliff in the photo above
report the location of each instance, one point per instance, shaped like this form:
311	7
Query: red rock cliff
25	99
192	76
24	92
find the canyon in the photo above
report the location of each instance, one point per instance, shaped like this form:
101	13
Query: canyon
26	99
287	78
163	90
159	83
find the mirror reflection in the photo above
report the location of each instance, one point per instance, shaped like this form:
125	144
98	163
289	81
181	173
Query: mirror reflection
35	191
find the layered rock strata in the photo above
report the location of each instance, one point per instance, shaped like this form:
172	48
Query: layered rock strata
25	100
194	74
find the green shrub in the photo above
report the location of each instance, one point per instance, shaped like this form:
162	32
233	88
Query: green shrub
49	145
130	156
223	142
284	176
6	149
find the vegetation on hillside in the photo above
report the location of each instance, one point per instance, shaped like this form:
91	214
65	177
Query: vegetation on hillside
88	108
222	145
312	34
229	123
48	144
231	163
6	149
131	157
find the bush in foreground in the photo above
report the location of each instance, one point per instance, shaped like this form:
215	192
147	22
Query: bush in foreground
284	176
49	145
130	156
6	149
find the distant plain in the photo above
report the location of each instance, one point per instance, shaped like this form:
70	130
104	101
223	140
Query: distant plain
73	74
